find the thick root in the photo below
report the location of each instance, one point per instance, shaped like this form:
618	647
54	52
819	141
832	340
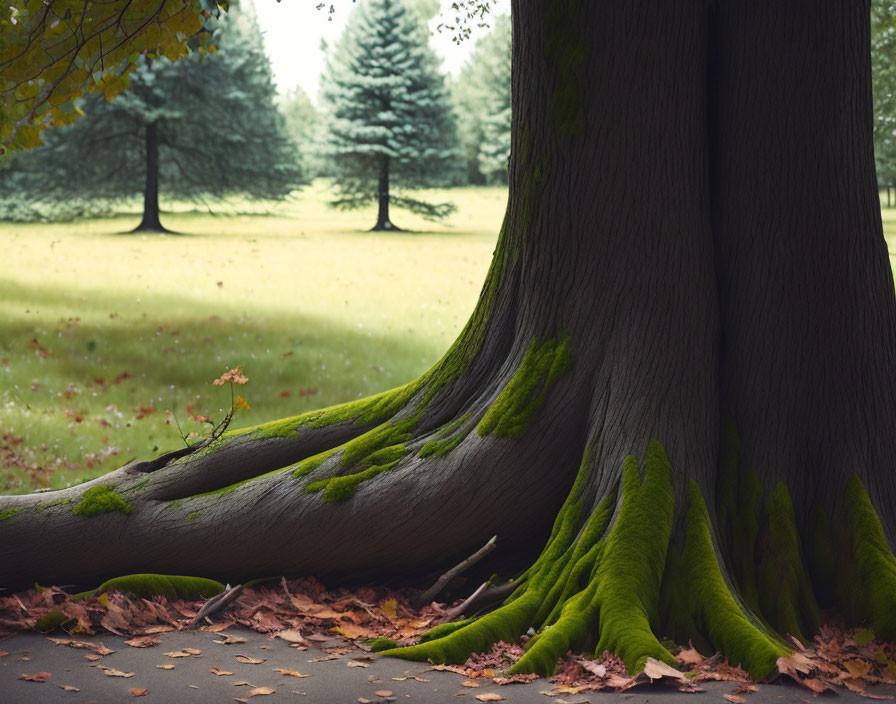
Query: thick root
603	582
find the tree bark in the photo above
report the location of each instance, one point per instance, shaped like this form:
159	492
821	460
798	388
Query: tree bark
383	223
667	285
150	221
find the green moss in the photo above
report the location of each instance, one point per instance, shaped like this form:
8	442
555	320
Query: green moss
342	488
50	620
175	504
101	499
52	504
440	448
566	49
193	516
512	410
697	597
170	586
875	566
9	513
307	466
455	425
378	644
362	448
785	591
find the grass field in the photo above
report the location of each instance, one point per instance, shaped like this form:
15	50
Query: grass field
102	334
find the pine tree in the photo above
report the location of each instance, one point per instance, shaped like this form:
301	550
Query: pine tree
481	96
389	120
203	126
883	54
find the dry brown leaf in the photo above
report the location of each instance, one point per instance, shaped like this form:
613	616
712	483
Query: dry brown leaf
138	691
243	683
656	669
219	671
470	683
165	667
93	657
690	656
143	641
290	673
112	672
227	639
177	654
256	691
192	651
489	697
69	688
356	663
383	693
35	676
291	636
248	660
734	698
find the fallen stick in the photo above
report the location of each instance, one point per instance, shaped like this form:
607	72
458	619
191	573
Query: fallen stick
482	598
430	594
216	603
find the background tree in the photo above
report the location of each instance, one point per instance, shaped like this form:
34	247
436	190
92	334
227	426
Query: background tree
204	126
389	126
691	272
883	51
304	126
481	96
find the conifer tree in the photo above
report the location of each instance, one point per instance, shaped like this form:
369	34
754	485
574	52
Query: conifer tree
481	95
203	126
390	128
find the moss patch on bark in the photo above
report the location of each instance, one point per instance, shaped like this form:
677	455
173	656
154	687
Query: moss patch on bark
101	499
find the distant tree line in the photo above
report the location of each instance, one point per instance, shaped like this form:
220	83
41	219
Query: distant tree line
883	66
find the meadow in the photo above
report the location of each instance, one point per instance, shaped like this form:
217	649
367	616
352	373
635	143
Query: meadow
109	342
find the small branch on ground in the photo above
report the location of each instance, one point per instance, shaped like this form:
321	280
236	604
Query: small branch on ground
431	593
216	603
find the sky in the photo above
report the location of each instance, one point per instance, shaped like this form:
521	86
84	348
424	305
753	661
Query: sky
293	30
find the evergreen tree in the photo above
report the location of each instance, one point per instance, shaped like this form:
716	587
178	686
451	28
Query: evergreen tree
481	95
389	120
883	53
303	125
202	126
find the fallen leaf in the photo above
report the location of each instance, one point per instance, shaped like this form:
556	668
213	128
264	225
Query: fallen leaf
138	691
656	669
112	672
355	663
143	641
177	654
218	671
192	651
249	661
165	667
261	690
383	693
734	698
36	676
69	688
243	683
291	636
93	656
470	683
489	697
690	656
291	673
227	639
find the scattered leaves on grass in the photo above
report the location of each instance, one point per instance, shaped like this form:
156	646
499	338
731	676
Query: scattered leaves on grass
35	676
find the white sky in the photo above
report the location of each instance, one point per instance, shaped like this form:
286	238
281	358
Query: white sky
293	30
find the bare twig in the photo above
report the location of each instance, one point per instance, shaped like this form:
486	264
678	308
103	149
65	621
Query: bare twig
431	593
216	603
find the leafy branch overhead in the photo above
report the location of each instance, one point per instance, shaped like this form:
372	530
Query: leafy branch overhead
52	53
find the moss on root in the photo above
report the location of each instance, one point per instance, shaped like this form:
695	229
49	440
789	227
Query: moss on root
9	513
512	410
874	595
611	582
170	586
101	499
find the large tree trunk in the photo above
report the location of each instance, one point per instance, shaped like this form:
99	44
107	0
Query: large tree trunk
150	221
667	285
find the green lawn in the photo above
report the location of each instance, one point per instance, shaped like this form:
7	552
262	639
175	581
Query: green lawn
97	328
